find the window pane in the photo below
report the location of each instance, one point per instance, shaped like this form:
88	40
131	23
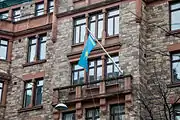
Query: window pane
83	31
69	116
77	30
0	94
113	13
100	29
92	27
4	42
39	9
16	14
32	53
1	85
109	71
27	100
110	26
51	6
75	76
117	112
3	52
176	71
28	85
99	73
81	76
80	21
175	6
91	74
39	90
116	25
175	18
92	114
4	15
43	51
176	56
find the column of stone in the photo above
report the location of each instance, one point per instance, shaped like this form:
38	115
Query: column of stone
103	106
5	87
9	54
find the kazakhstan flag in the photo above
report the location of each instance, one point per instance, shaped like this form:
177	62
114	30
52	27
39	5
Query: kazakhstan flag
90	44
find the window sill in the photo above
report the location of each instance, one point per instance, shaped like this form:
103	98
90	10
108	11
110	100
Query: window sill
173	85
173	32
3	60
74	1
114	36
77	44
34	63
38	107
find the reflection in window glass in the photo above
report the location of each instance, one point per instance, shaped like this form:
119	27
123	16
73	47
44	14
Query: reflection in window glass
39	9
28	94
177	111
117	112
176	67
39	90
175	16
92	114
1	91
69	116
112	71
51	6
4	15
3	49
16	14
42	40
32	49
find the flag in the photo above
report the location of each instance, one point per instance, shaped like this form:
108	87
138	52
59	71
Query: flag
90	44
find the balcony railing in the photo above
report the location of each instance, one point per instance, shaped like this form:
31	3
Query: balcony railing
96	89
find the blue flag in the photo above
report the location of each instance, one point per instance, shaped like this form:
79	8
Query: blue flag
90	44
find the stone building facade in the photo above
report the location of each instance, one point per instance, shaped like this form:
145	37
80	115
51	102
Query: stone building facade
41	42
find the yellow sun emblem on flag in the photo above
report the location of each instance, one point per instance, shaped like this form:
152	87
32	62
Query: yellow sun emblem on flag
86	54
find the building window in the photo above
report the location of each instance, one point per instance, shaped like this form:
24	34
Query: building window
95	70
69	116
4	15
79	30
50	6
16	14
37	48
111	69
92	114
175	16
77	74
96	24
117	112
1	91
177	112
175	63
33	89
113	22
3	49
39	9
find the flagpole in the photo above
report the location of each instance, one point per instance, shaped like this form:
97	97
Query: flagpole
121	71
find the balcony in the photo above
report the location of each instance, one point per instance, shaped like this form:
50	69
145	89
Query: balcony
96	90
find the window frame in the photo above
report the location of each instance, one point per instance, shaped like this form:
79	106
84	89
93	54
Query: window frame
4	46
4	12
170	14
2	90
69	112
72	74
38	44
16	18
171	60
95	67
37	10
114	16
33	89
94	110
50	7
78	25
115	114
114	67
96	21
